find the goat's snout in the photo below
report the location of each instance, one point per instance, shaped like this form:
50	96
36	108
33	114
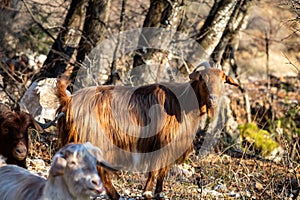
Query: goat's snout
213	100
95	184
20	151
212	104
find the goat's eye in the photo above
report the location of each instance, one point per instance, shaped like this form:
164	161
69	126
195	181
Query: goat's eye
73	163
5	130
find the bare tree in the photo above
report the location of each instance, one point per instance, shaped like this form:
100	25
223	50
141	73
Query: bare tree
94	30
164	14
84	27
64	49
215	24
219	37
224	51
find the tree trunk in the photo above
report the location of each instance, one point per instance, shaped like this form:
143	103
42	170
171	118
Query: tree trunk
224	52
212	30
219	38
94	27
63	51
164	14
114	75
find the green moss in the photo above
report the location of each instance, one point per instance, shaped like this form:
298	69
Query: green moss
259	139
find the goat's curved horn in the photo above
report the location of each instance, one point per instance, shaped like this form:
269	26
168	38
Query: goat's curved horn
202	66
51	123
219	66
108	166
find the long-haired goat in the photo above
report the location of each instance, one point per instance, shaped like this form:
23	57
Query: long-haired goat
14	129
73	176
147	128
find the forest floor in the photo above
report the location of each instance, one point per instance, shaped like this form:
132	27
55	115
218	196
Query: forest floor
215	176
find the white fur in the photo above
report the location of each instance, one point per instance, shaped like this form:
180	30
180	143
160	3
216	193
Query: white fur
147	194
73	176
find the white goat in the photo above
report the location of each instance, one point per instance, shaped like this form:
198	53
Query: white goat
73	175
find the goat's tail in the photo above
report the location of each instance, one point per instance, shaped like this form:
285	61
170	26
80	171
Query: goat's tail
2	161
63	82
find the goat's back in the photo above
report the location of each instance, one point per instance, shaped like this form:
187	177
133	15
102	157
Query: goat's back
126	122
18	183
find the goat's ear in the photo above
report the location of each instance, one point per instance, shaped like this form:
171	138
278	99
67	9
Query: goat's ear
37	126
195	75
4	108
97	153
58	166
33	123
230	81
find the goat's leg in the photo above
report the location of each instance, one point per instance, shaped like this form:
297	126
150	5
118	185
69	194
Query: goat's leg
159	182
107	184
149	185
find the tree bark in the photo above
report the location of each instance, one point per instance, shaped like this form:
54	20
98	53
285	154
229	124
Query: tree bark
114	75
212	30
164	14
64	49
224	51
94	27
219	37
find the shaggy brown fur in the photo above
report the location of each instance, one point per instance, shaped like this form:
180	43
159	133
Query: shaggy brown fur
159	120
14	128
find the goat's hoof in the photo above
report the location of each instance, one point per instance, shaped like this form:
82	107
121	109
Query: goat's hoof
160	196
147	195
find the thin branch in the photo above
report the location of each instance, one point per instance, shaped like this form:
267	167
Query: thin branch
8	94
37	22
297	69
113	73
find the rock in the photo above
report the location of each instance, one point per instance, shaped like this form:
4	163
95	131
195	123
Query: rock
37	163
208	192
234	194
183	170
258	185
40	100
220	188
127	192
41	59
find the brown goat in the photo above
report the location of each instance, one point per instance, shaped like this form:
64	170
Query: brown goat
14	129
147	128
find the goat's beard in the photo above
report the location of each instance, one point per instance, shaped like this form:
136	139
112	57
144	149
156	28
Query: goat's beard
18	157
